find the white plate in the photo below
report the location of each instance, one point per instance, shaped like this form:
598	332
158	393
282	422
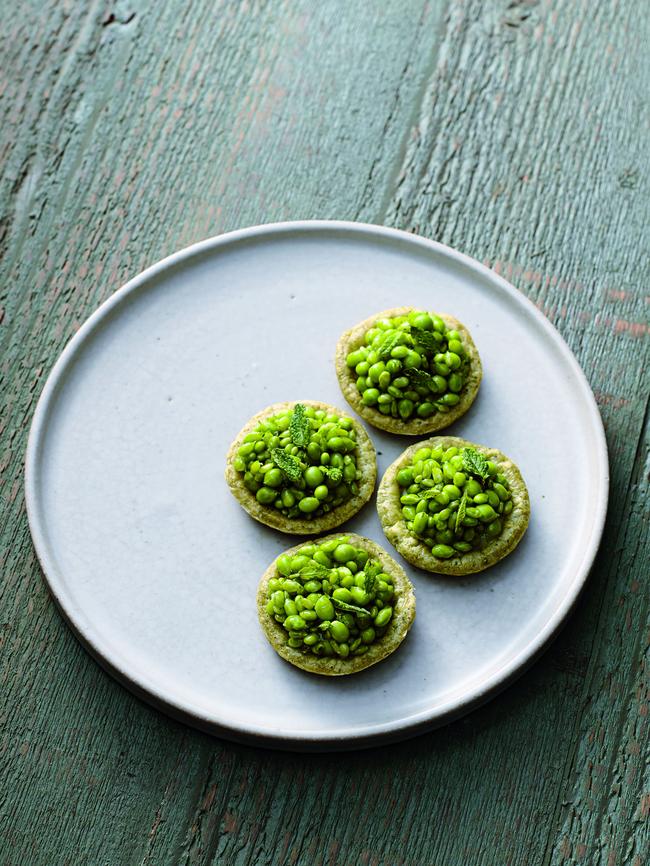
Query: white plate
155	565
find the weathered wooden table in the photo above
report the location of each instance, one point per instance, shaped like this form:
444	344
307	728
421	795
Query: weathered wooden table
514	130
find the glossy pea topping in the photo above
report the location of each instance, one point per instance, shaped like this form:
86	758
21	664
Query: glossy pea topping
454	500
410	366
301	462
331	598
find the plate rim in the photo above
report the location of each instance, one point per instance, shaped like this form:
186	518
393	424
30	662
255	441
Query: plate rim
357	737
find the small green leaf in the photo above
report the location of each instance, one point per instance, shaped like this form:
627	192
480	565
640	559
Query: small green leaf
299	428
289	464
475	463
431	493
425	339
422	378
315	571
389	344
460	514
333	473
348	608
371	570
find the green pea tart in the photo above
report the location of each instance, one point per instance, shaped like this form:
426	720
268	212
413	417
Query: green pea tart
452	506
409	371
302	467
336	605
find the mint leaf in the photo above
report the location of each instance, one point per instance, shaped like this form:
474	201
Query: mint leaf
299	428
314	571
289	464
348	608
475	463
460	514
389	344
425	339
372	570
422	378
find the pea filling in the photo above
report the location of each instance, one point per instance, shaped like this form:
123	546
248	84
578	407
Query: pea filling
453	500
302	462
331	599
410	366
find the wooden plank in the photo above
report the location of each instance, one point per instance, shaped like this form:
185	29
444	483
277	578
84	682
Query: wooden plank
512	132
130	130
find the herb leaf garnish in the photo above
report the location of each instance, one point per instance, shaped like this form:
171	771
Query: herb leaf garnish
475	463
332	473
349	608
421	377
389	344
425	339
299	428
371	571
460	514
289	464
315	571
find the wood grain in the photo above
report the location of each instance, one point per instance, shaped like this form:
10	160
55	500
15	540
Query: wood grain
513	130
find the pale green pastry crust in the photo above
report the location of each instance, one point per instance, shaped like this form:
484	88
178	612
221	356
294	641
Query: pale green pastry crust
415	551
366	465
401	622
353	338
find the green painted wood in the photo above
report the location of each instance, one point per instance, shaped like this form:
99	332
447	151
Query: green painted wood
514	130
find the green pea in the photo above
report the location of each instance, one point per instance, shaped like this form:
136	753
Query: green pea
354	358
462	546
456	347
240	464
480	498
288	499
486	513
290	607
455	382
342	594
452	491
313	450
313	476
393	366
283	565
422	321
339	631
426	409
310	639
342	649
442	498
493	529
442	551
409	499
405	408
368	635
308	504
412	360
473	488
265	495
420	523
370	396
440	383
344	552
295	623
508	506
324	608
493	499
384	380
273	478
384	616
313	586
501	491
399	352
405	477
375	371
359	595
450	399
442	369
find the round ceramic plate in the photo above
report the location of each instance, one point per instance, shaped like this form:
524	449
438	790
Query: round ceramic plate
155	565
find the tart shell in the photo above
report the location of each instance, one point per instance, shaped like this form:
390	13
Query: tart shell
366	465
402	619
353	338
415	551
